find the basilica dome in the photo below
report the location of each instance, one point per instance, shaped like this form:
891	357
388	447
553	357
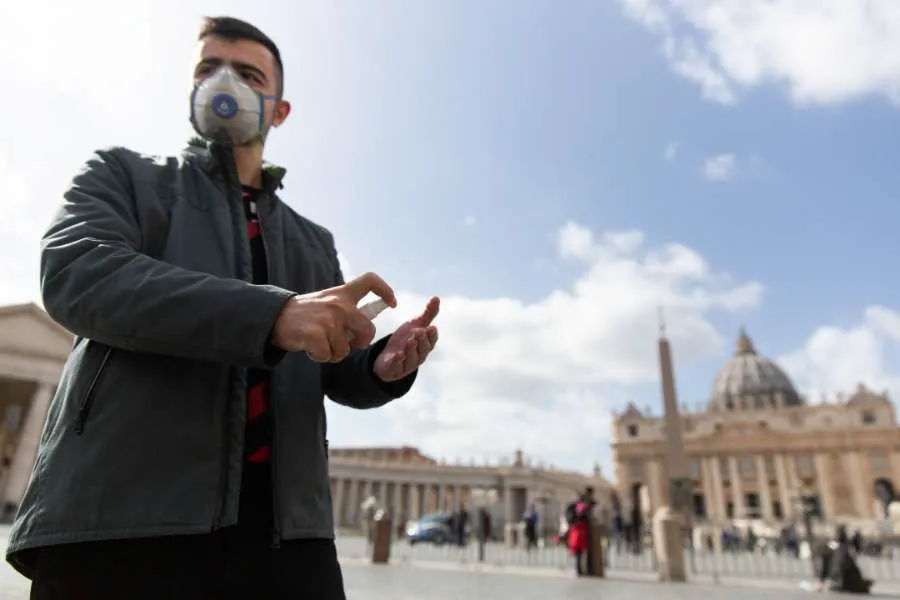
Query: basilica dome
751	382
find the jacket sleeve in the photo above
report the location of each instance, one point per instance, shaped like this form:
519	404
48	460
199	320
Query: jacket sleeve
96	282
352	382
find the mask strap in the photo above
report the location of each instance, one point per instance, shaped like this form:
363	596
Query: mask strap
262	112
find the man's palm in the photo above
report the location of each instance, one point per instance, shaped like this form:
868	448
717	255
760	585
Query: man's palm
409	346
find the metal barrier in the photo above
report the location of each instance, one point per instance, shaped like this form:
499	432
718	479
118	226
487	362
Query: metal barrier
773	565
495	554
621	560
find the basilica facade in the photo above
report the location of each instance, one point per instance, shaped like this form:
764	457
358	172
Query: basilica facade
759	447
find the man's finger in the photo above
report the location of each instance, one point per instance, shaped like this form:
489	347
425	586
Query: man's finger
319	350
431	311
357	289
339	345
410	360
424	344
361	328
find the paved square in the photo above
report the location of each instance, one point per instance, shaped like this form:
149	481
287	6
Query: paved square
443	580
410	583
367	582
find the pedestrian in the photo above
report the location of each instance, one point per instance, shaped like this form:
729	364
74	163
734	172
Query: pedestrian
184	453
531	519
578	536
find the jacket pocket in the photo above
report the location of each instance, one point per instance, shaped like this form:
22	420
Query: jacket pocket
87	399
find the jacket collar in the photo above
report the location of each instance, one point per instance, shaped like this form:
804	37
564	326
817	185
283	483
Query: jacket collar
209	157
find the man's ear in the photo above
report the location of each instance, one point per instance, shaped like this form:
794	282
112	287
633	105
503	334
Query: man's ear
282	111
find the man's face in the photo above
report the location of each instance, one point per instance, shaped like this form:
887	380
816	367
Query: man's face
252	62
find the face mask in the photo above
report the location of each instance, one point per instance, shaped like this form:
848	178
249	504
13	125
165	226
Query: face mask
225	109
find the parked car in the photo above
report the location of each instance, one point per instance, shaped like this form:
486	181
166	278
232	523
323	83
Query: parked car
434	529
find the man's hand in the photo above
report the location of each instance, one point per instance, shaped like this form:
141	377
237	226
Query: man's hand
318	323
409	345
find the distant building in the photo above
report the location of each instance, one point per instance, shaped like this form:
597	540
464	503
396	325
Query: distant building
412	485
759	446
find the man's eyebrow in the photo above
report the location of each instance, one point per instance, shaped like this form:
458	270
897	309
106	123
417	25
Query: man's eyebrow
215	62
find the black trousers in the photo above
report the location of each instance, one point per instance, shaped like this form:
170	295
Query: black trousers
235	563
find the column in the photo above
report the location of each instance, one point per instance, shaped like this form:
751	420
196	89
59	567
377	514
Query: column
432	498
793	479
26	449
456	500
442	497
823	483
507	504
398	502
654	475
367	490
718	487
854	468
383	494
415	506
706	483
894	457
353	504
784	488
4	442
338	502
765	496
737	489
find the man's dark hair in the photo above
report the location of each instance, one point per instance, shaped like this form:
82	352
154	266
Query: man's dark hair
232	29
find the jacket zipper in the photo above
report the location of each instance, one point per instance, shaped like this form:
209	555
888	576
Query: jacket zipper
233	187
87	400
273	417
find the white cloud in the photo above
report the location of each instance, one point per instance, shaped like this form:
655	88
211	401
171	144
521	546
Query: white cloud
469	221
822	51
835	359
19	233
544	374
671	151
719	168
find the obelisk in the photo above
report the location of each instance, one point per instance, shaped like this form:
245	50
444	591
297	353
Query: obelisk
679	485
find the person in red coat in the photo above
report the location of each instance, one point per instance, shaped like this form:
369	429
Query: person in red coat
578	536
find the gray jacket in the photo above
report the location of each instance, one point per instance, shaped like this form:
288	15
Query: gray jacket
147	262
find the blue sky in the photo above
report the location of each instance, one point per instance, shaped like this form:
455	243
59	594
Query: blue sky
447	144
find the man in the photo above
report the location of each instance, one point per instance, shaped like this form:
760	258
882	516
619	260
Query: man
184	454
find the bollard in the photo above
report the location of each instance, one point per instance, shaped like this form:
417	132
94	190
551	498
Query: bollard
381	539
668	541
511	535
596	565
481	541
